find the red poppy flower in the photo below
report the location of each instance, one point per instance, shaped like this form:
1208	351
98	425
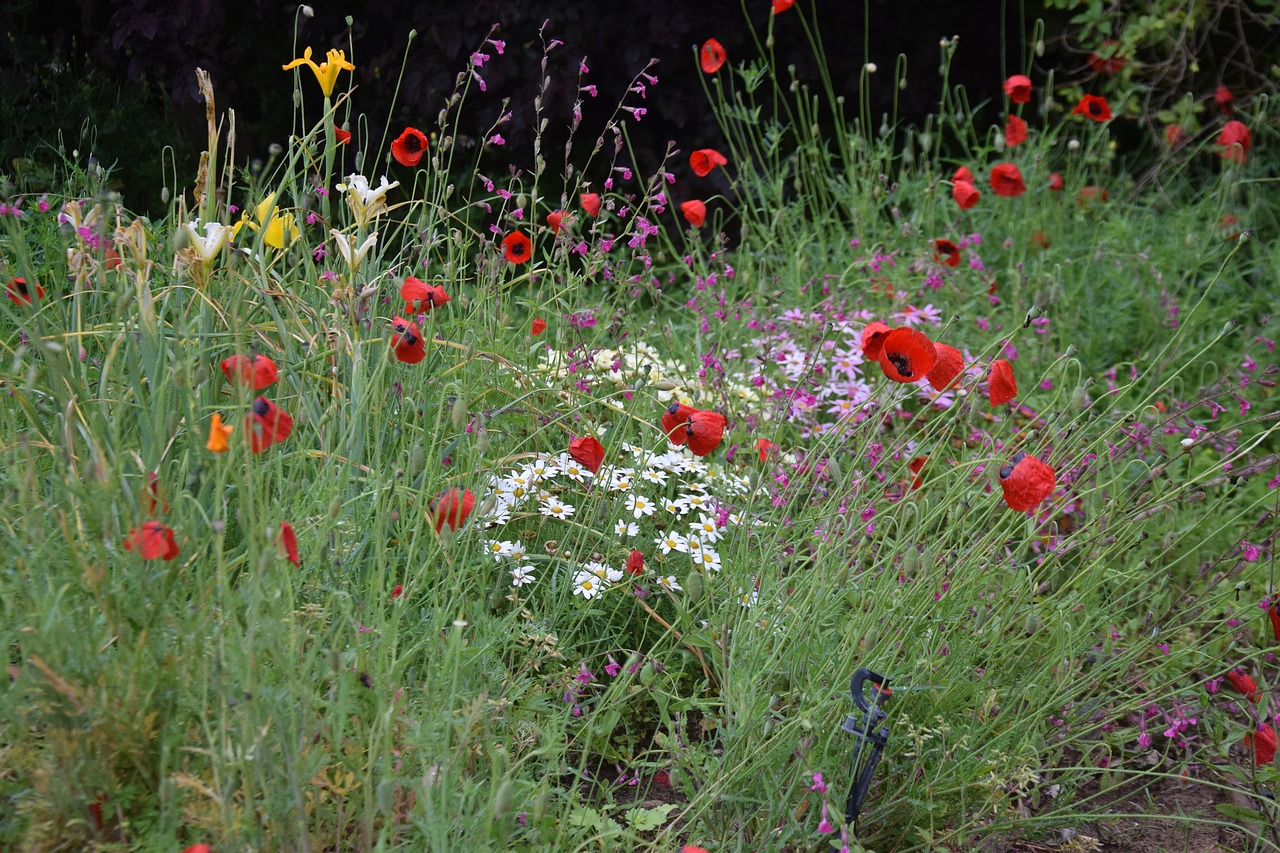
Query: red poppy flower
1235	141
1223	98
152	497
407	342
1026	481
19	292
420	297
965	194
257	371
1263	746
712	56
907	355
397	590
762	447
1001	386
674	419
517	247
343	136
946	252
946	368
1227	227
780	6
289	542
705	431
1055	182
1006	180
452	507
1243	683
1015	131
590	203
873	335
1274	615
963	174
198	848
694	212
409	147
1106	60
1018	88
1174	135
555	219
635	563
152	540
915	466
1094	107
538	326
704	160
1038	240
588	452
1091	194
266	425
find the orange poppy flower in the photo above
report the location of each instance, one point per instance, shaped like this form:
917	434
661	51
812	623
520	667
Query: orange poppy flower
1018	88
409	147
555	219
965	194
588	452
946	368
1055	182
407	342
635	563
694	212
257	371
674	419
152	540
452	507
779	6
946	252
538	326
343	136
712	56
1094	107
420	297
1026	481
873	335
218	435
704	160
1235	141
266	425
19	292
289	544
705	431
907	355
590	203
1243	683
1263	746
1223	98
964	173
1015	131
1001	386
517	247
1006	180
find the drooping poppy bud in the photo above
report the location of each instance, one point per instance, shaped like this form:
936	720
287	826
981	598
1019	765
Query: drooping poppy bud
965	194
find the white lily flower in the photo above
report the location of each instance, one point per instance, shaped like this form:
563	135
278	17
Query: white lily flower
366	202
211	243
353	256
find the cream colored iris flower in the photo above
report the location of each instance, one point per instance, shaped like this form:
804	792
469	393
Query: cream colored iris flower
326	72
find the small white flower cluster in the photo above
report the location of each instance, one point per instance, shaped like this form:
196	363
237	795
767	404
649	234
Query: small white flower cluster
663	491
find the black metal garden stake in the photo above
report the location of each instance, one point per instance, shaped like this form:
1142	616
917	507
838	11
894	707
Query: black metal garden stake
869	741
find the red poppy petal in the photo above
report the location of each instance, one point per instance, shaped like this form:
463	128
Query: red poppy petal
1001	384
949	363
674	421
452	507
588	452
873	339
705	431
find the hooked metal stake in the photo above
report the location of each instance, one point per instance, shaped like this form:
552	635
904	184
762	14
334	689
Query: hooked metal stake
862	764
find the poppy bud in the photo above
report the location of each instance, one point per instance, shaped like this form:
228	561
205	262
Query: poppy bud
458	414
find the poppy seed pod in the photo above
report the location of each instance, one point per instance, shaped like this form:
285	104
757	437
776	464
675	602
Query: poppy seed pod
1026	481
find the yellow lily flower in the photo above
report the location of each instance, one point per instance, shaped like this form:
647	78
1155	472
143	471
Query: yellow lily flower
218	435
326	72
276	225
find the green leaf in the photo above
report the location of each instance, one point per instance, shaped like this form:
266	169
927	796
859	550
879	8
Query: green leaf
1240	813
646	820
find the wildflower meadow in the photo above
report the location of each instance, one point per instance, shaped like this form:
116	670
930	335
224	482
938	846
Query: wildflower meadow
372	498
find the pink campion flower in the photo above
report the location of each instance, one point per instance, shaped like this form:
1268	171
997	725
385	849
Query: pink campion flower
1251	553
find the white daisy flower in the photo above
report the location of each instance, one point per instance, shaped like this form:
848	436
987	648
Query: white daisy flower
625	528
705	527
607	574
555	508
517	552
672	541
639	505
499	549
701	488
571	469
676	506
697	501
748	599
521	575
708	559
543	468
694	543
587	585
735	518
655	475
669	583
